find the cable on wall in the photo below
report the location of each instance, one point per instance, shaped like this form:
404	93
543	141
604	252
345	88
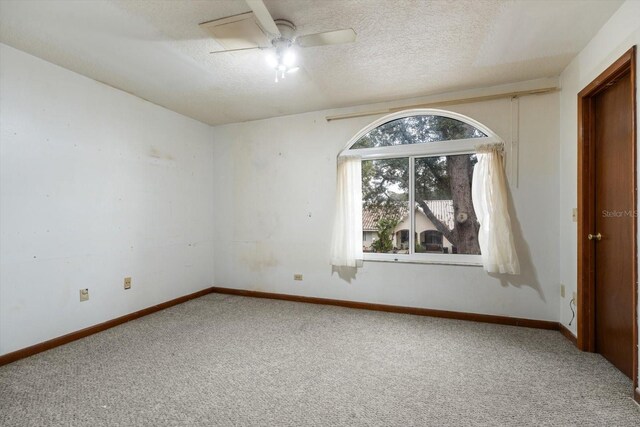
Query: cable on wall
573	313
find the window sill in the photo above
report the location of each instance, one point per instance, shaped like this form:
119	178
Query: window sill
461	260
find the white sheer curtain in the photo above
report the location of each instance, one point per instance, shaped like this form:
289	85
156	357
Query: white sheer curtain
490	199
346	242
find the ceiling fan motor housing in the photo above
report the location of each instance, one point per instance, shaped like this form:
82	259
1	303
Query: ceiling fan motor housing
287	30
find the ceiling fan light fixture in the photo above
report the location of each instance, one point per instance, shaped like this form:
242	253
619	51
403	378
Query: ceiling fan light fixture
282	59
281	33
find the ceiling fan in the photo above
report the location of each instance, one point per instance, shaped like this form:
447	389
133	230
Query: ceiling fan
257	30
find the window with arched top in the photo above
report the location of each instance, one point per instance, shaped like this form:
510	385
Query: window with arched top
417	169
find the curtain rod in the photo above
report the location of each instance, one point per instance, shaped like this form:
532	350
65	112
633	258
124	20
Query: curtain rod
445	103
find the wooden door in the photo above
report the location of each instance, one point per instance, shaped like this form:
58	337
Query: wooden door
607	216
614	217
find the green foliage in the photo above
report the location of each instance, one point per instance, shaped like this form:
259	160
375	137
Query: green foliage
417	130
386	182
385	227
432	180
385	185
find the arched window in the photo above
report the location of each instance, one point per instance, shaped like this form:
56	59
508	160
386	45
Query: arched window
417	167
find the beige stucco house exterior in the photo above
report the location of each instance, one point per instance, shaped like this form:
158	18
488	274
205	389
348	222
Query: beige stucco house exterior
428	237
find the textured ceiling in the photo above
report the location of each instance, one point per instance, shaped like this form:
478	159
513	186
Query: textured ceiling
405	48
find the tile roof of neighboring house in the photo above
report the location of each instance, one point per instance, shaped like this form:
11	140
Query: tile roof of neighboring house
370	217
442	209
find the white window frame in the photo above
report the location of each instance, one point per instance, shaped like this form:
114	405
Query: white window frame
413	151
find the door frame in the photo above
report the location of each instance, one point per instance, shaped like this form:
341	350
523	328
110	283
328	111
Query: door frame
586	204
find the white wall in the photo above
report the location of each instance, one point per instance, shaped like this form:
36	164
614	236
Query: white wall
616	37
276	181
95	185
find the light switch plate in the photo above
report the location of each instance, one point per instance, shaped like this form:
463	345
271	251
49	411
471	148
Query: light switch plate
574	215
84	295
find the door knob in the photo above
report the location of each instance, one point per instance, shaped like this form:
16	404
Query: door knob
594	236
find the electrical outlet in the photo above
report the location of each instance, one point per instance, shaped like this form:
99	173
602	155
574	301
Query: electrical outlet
562	291
84	295
297	277
575	297
127	282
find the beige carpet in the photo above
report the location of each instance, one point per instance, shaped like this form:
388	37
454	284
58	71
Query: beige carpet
234	361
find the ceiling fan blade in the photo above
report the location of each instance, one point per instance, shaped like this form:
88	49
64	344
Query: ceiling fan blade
327	38
264	17
237	50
